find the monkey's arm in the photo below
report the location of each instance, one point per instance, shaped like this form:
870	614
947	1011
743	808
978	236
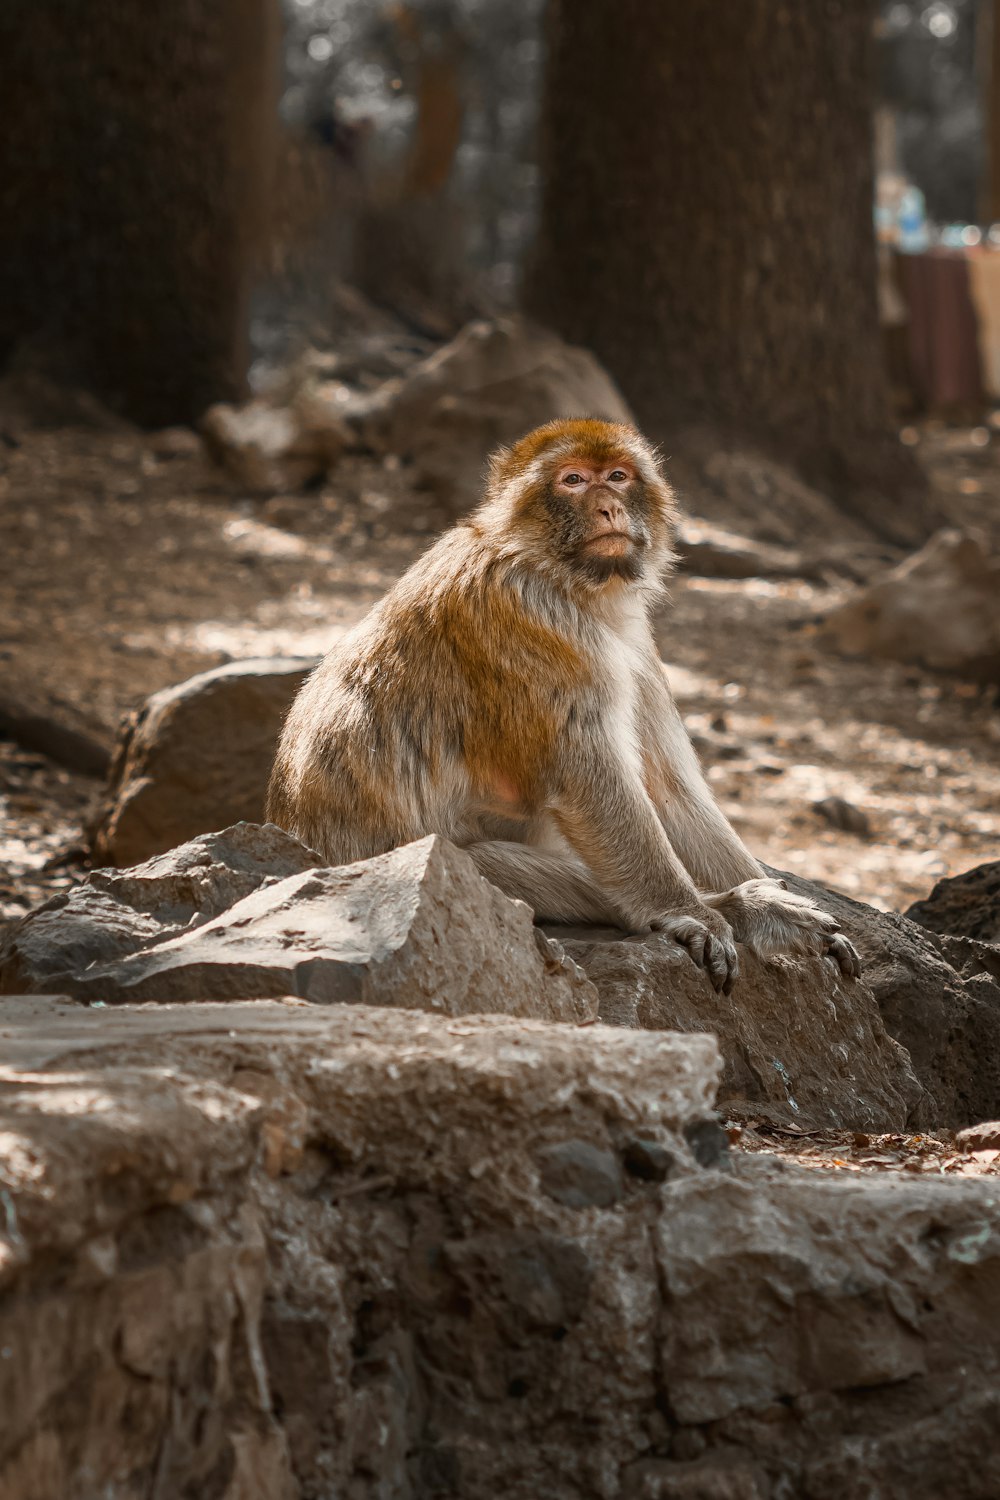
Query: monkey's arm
761	911
603	810
712	851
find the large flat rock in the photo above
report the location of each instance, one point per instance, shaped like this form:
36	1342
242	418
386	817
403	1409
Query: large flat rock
273	1251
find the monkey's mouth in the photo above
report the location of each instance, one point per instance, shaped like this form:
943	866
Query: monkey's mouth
609	544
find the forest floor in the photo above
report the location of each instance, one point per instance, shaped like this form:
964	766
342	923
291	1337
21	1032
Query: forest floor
130	563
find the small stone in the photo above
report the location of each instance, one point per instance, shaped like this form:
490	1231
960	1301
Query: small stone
843	815
580	1175
709	1143
647	1160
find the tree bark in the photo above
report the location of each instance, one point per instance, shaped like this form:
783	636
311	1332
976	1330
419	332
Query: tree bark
706	221
988	62
135	162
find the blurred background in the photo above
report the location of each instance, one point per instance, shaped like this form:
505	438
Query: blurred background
276	277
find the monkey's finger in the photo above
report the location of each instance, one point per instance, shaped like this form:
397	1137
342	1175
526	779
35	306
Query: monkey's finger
696	941
717	962
846	955
732	959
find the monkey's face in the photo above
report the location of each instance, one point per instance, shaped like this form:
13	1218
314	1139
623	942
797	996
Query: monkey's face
600	517
586	499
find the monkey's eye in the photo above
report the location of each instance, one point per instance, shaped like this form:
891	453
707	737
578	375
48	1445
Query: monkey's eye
618	477
573	478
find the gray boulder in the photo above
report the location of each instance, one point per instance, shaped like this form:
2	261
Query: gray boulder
800	1043
712	552
114	914
417	928
944	1012
490	385
251	912
963	906
940	608
271	447
196	757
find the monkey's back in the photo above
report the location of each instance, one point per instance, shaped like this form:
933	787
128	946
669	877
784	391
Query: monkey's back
447	699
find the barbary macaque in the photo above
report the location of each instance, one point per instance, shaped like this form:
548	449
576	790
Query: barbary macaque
507	694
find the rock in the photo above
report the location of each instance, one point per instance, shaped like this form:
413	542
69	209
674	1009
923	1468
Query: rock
844	815
948	1022
114	914
799	1042
939	609
171	1307
490	385
195	757
966	905
971	958
580	1175
983	1137
647	1160
397	1305
174	442
732	1478
752	495
708	1141
269	449
711	552
417	928
48	729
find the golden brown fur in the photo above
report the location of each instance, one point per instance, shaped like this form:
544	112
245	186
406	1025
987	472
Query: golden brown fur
507	694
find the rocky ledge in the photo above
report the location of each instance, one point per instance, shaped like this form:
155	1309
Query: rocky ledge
281	1250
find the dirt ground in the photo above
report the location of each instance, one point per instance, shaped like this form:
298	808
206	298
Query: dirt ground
129	562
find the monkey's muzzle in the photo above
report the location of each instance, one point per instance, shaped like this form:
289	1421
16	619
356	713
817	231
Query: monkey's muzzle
609	544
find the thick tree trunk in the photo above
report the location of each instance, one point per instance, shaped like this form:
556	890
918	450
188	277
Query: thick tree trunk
706	223
134	169
988	64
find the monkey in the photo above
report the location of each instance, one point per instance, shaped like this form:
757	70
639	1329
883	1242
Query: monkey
507	694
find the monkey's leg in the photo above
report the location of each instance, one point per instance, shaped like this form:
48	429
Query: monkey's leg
556	889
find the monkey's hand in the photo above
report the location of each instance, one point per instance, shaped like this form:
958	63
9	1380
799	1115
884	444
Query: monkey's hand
771	919
708	938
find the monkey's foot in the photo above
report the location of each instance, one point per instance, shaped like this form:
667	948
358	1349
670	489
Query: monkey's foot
708	940
771	919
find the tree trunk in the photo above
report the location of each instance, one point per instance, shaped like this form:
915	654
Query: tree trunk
706	222
988	65
135	160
